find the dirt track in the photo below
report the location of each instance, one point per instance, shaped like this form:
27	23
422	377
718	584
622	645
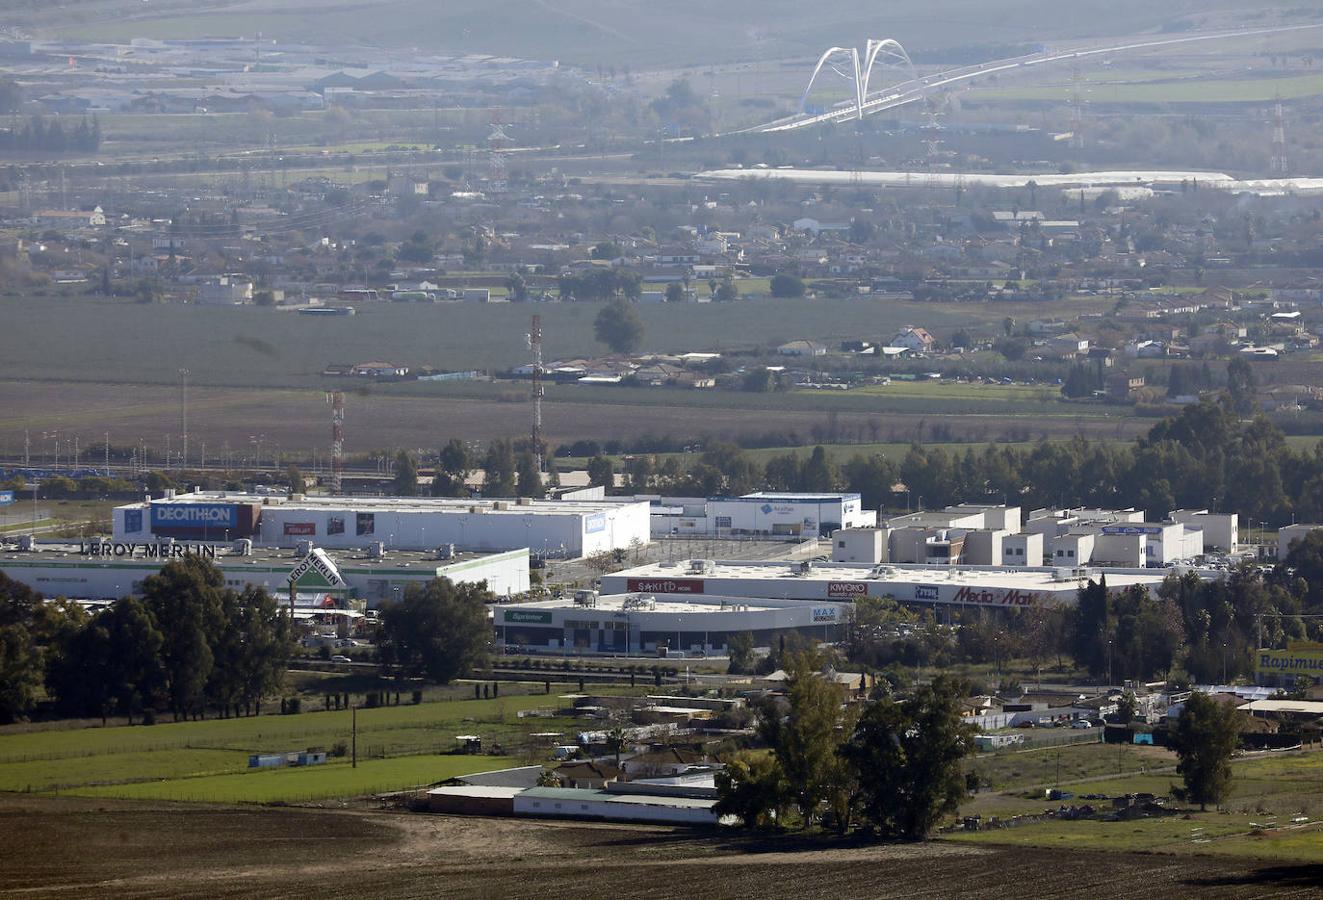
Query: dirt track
78	848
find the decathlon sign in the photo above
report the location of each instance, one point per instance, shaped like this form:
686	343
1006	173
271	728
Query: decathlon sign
195	515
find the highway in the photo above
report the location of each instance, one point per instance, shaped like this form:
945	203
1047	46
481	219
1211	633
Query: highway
940	80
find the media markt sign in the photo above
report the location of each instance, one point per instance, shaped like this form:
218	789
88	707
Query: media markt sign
316	570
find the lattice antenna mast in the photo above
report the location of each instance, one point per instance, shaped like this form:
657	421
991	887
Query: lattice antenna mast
337	401
1076	108
1279	166
535	344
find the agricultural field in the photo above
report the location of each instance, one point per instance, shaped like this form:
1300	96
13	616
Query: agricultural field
399	747
1162	87
1274	812
141	849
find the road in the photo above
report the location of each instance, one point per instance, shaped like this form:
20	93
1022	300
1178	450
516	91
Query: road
954	76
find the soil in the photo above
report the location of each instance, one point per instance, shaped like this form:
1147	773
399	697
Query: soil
66	847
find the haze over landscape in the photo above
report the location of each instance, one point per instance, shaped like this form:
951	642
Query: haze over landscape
605	448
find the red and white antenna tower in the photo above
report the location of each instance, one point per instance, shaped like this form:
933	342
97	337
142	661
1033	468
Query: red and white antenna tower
337	401
1278	165
535	344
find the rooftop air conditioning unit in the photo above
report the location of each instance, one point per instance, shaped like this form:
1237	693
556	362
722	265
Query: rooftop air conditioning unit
524	501
376	550
242	547
302	548
702	566
445	551
500	504
26	542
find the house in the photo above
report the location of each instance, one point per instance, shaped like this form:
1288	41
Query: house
802	348
915	340
379	370
225	290
1122	386
70	218
589	774
662	763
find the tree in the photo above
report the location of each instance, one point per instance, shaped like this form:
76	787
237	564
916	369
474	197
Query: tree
817	474
804	741
20	671
439	631
602	472
675	292
1125	707
499	469
753	788
517	286
1242	386
786	285
452	469
907	758
607	250
405	483
739	648
186	600
1205	737
528	479
295	480
619	327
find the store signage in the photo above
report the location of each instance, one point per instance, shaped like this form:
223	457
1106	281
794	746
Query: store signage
147	551
6	498
133	520
847	589
300	528
527	617
195	515
595	523
665	585
824	614
926	592
1132	529
986	597
316	570
1299	658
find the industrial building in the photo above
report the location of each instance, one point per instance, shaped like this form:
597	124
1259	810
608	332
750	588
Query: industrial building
106	571
554	528
784	516
651	621
939	585
995	536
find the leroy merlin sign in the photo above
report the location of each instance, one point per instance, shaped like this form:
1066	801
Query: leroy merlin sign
316	570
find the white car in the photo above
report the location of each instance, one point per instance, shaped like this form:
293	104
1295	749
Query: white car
340	659
1081	723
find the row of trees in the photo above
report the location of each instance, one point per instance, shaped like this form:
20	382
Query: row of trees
892	767
189	644
39	134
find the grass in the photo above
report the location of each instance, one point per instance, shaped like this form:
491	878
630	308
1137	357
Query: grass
1268	790
387	731
119	768
338	780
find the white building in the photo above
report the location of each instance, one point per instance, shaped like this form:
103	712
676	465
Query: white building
650	620
762	514
225	290
926	585
1221	530
555	528
109	570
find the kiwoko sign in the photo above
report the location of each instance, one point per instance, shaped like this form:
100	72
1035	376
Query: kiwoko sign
195	515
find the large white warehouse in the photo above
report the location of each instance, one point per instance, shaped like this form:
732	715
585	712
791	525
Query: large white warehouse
555	528
930	585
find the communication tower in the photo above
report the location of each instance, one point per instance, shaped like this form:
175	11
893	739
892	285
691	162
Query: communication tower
1076	108
498	142
1278	164
337	401
535	344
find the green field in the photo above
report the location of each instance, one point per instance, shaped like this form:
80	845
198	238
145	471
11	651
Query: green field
86	339
338	780
399	747
1160	87
1268	792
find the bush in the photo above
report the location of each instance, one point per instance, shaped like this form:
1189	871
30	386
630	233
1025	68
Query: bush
417	696
293	706
339	748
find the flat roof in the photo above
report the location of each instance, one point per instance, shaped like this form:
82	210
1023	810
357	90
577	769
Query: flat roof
395	504
1017	578
260	557
648	602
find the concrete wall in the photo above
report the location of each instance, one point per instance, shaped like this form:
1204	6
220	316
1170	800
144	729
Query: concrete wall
1030	547
983	547
860	545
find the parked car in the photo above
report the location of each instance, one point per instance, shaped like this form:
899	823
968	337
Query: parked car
340	659
1081	723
